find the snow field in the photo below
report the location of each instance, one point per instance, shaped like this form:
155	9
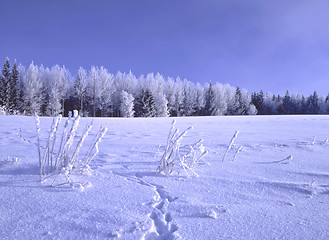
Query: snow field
256	196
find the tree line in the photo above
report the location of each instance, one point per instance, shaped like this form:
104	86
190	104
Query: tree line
99	93
268	104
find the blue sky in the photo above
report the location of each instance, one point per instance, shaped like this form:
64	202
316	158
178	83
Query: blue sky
254	44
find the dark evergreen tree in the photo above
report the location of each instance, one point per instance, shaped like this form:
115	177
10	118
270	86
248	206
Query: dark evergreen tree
14	93
20	93
313	103
304	105
209	101
287	105
298	104
272	109
239	107
144	105
5	86
258	100
279	103
327	99
1	89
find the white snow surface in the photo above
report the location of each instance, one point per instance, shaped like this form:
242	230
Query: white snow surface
277	187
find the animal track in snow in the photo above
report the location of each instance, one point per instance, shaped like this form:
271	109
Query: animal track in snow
162	226
19	134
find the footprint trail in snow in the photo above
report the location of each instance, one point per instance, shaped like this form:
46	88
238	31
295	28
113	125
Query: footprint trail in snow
162	226
160	219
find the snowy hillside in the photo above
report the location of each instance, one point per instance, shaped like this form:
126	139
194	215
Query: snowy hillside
277	187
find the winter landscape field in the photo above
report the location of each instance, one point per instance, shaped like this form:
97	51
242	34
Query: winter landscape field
276	186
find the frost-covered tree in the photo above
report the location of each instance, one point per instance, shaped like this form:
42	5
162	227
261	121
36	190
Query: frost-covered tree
224	97
170	92
179	97
161	105
127	104
97	92
33	90
93	77
100	89
100	93
58	80
189	99
252	110
156	85
122	82
199	100
79	89
104	92
247	106
187	106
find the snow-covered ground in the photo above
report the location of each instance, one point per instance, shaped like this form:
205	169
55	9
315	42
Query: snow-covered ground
256	196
